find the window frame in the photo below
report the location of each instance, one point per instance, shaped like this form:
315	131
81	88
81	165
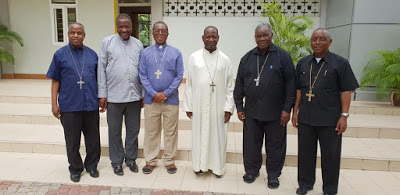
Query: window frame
64	8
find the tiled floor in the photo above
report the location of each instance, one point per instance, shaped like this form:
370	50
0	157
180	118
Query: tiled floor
53	168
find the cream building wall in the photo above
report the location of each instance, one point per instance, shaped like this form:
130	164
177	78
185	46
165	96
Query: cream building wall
236	35
32	20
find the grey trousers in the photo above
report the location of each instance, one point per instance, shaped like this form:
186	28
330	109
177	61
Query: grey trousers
115	114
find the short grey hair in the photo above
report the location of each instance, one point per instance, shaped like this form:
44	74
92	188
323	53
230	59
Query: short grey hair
325	31
160	22
123	16
264	25
76	23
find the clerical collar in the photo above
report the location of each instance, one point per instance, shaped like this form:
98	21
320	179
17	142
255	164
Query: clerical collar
326	57
75	48
123	40
318	59
160	46
214	52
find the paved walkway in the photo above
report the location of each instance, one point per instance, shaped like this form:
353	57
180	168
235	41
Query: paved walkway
23	173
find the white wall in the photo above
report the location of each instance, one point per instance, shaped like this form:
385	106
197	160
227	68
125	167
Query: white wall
98	18
32	20
236	34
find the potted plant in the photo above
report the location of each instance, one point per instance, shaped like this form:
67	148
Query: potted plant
7	37
10	37
289	31
383	71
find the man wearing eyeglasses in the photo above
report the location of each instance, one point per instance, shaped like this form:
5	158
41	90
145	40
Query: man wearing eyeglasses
324	83
161	73
265	79
120	92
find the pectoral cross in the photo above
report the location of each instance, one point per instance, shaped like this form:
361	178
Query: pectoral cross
158	73
257	80
80	82
128	74
310	95
212	86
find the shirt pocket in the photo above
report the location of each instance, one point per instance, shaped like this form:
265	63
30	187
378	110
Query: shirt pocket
170	65
328	79
276	75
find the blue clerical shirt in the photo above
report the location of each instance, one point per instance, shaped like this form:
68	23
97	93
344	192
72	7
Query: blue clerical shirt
171	72
62	68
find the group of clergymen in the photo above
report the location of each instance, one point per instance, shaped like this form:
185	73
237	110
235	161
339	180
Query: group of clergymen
125	77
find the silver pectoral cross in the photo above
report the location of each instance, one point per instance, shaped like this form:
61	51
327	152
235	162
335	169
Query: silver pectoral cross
128	74
158	73
212	86
257	80
80	82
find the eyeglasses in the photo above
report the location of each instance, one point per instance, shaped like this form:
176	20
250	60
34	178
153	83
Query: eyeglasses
321	40
160	31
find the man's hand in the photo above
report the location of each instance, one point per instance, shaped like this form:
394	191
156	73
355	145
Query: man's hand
160	97
227	116
103	104
341	125
55	109
241	116
295	119
285	117
142	102
189	114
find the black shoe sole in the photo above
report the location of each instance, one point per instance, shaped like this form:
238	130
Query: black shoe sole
251	181
304	193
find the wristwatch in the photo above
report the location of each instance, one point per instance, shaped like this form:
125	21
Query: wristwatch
347	115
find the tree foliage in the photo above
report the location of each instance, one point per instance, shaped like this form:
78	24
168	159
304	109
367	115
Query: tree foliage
8	37
382	71
289	31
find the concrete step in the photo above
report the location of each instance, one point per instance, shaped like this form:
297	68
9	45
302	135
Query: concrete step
28	91
360	125
357	153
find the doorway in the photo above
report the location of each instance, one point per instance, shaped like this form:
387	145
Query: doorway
141	20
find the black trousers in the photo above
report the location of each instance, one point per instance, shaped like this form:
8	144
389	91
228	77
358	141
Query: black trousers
275	146
330	144
115	114
88	123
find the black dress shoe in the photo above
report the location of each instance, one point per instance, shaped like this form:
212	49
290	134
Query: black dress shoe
93	173
75	177
273	182
133	167
303	191
249	178
118	170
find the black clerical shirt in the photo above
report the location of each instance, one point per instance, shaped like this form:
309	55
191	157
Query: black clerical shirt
276	91
335	77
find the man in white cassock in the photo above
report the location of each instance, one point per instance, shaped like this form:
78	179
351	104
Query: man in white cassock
209	103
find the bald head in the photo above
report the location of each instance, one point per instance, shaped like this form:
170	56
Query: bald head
323	31
211	29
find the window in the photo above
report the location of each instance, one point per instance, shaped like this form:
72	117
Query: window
144	29
63	13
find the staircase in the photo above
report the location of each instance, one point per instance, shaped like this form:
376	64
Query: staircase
371	142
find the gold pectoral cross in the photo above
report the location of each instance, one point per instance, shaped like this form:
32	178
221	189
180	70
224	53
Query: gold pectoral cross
310	95
158	73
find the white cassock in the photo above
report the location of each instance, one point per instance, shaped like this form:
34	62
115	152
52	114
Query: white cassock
209	132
